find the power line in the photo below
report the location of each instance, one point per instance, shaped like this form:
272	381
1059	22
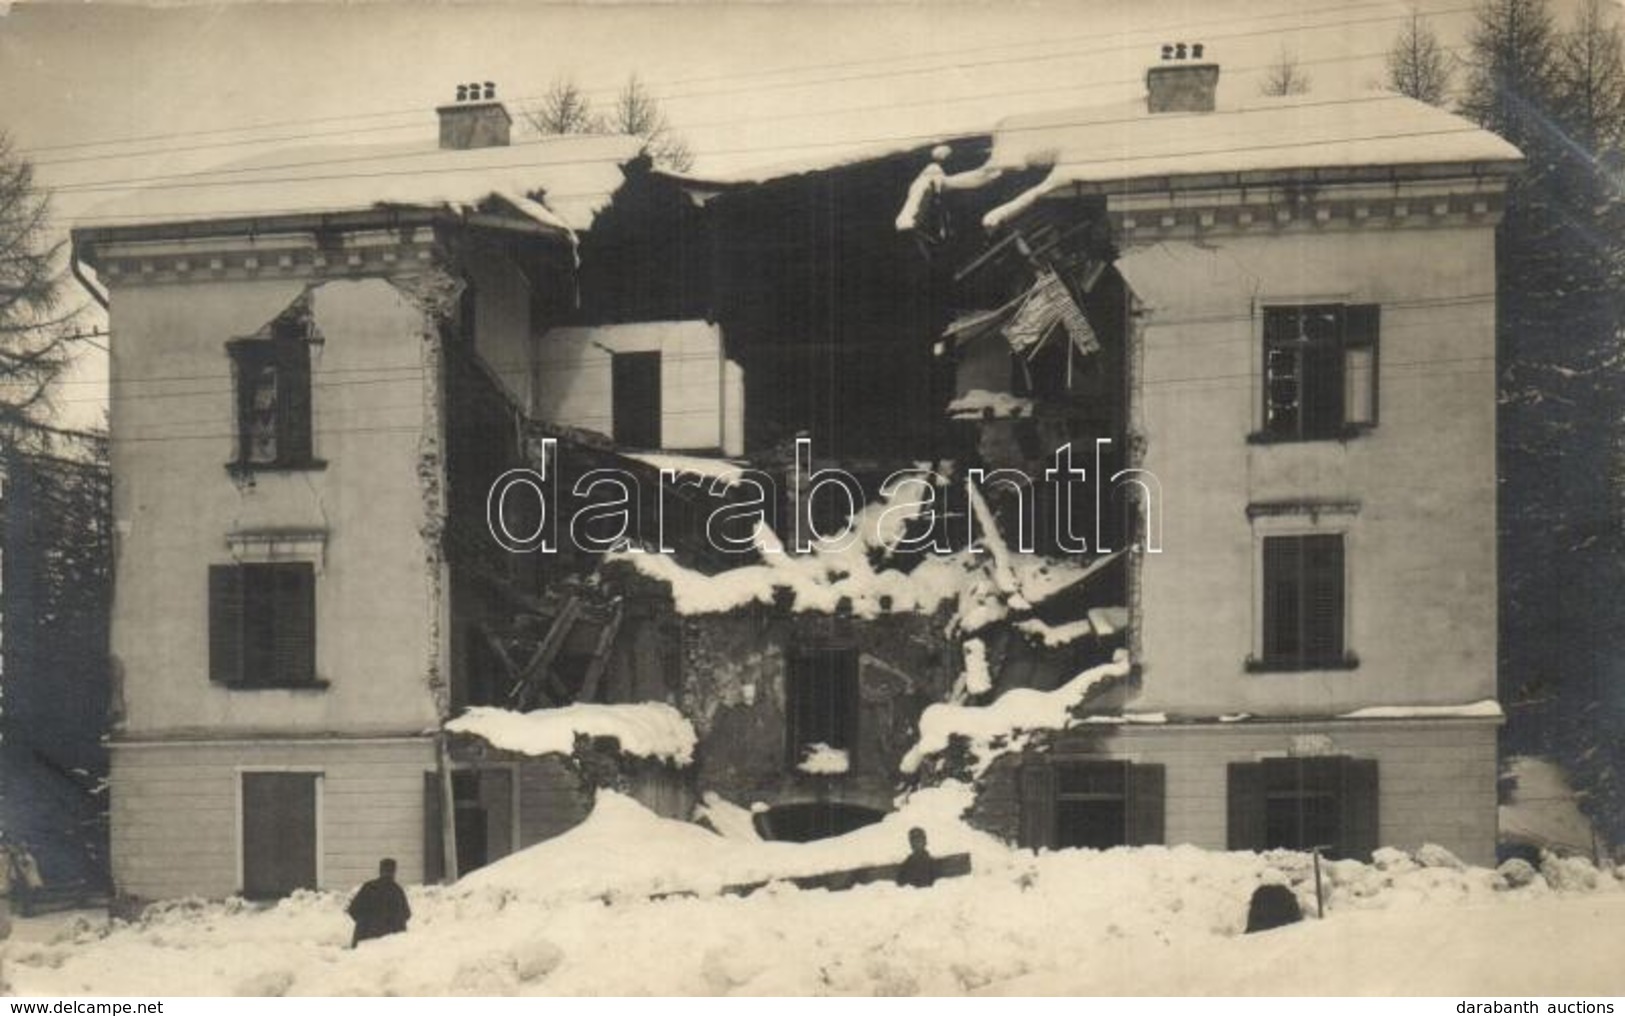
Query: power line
860	142
1184	26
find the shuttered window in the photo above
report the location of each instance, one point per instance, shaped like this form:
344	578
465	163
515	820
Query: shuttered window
273	402
1091	803
262	625
1303	601
1320	371
1303	803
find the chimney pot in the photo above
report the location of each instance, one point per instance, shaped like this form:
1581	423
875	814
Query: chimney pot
490	90
462	93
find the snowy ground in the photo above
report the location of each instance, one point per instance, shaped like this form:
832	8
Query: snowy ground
574	916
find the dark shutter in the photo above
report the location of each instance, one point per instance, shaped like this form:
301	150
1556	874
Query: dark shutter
1037	805
1147	796
293	403
1323	598
635	399
294	611
434	850
1245	794
1362	330
1360	827
226	624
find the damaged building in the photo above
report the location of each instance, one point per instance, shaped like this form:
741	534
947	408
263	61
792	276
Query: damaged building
1160	436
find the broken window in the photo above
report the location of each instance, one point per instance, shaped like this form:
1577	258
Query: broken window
262	625
1303	601
821	700
1320	370
1329	802
635	399
273	398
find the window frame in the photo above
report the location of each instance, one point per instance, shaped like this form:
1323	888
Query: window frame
1271	527
229	603
1358	329
286	355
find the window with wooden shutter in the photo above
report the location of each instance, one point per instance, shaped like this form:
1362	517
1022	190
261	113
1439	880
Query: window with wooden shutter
1320	371
1330	802
1303	602
1092	803
262	625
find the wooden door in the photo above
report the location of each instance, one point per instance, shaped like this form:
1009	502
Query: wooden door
279	833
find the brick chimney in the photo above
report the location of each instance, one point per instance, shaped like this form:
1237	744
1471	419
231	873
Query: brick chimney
1181	83
476	119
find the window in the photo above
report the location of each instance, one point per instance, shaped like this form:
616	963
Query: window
1303	603
635	399
273	399
262	625
1092	803
821	700
1320	371
1303	803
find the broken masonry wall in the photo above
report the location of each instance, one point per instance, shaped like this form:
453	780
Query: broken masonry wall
734	677
174	423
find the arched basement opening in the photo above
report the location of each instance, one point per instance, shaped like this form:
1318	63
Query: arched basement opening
814	820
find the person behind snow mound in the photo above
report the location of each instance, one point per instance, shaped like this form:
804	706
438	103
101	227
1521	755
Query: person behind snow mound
379	907
919	869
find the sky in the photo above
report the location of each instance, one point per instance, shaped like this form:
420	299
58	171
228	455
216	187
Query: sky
101	96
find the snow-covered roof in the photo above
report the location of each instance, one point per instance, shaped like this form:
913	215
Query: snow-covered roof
1099	147
573	175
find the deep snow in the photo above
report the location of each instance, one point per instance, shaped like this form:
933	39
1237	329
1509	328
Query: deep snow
574	915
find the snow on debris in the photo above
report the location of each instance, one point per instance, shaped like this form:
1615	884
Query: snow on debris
575	175
1114	143
692	465
1483	709
1108	620
1017	712
646	729
727	818
934	178
626	850
822	760
980	404
978	679
1055	635
1166	917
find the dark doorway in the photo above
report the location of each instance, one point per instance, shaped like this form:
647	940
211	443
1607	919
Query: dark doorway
635	399
821	700
482	820
279	833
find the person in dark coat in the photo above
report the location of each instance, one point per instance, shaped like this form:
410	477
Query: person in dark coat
919	869
379	906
